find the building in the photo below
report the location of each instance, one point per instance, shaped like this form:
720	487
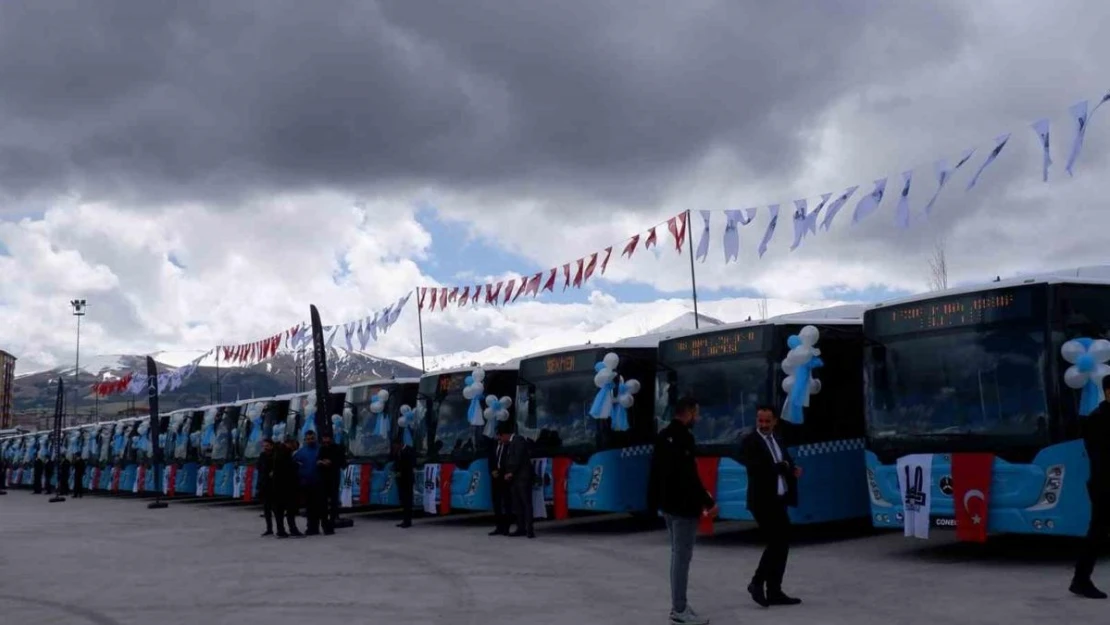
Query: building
7	379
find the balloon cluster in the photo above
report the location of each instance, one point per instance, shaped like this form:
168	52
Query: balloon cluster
625	391
377	407
472	391
799	364
1088	358
406	419
337	429
496	410
607	381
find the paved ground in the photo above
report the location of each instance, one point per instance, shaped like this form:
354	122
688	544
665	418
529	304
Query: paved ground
109	561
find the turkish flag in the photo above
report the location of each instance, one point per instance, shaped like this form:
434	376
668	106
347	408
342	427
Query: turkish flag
248	484
115	479
171	483
445	473
366	475
560	469
141	478
707	471
971	490
210	487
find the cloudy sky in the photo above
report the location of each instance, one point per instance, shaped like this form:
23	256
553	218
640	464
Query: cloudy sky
200	172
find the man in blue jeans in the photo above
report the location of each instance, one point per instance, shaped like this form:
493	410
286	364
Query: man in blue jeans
675	489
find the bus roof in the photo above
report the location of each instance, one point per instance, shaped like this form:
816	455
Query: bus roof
844	314
1093	274
383	381
649	341
511	365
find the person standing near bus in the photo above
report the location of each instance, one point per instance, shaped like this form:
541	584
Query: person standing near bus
1096	440
63	476
264	472
772	488
404	466
79	477
675	489
499	489
331	477
309	467
284	490
518	477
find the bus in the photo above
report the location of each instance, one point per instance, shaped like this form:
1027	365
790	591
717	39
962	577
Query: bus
733	369
369	427
259	419
90	452
183	453
594	453
453	457
980	370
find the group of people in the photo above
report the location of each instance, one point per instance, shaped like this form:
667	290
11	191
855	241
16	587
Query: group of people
676	490
43	476
293	476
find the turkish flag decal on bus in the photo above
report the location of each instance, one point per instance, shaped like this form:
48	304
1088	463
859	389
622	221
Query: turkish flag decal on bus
971	491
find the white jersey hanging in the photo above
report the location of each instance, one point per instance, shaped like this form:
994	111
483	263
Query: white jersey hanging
915	478
346	492
431	488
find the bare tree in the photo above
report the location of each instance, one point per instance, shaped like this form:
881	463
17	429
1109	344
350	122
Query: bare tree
762	307
938	268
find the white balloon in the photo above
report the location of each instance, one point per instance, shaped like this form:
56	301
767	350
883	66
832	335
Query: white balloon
602	378
479	388
611	360
491	400
1072	350
383	395
809	336
788	384
479	374
814	386
1101	371
633	386
1100	350
1075	378
488	413
377	406
468	392
503	415
506	402
789	367
626	400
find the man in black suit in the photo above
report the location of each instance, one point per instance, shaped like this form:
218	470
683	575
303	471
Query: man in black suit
264	478
1096	440
404	465
518	477
499	488
331	475
79	477
772	488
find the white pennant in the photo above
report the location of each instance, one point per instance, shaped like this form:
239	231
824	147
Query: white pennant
811	219
384	319
835	207
331	337
349	334
703	243
363	334
1041	128
943	175
396	314
774	212
1000	142
799	223
734	219
870	203
372	327
1079	112
902	213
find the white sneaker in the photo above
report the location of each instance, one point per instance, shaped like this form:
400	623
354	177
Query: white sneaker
688	617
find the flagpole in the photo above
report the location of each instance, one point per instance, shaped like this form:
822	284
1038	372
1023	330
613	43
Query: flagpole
218	394
420	326
693	277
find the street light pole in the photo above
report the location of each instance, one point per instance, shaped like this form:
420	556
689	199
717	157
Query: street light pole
78	311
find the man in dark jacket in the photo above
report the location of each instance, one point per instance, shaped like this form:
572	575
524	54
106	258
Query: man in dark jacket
309	467
63	477
1096	440
48	476
79	477
285	490
331	476
675	489
772	488
499	489
264	478
404	465
518	477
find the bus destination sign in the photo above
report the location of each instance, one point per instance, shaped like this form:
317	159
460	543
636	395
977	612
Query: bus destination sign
557	364
1014	304
728	343
451	383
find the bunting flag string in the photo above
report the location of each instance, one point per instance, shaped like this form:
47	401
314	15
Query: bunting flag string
363	330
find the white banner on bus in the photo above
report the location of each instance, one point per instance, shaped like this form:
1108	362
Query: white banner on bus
431	488
915	479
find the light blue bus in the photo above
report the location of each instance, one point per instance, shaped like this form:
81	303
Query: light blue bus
368	428
981	369
733	369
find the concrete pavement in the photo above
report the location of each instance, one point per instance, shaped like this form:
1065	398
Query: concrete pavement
107	561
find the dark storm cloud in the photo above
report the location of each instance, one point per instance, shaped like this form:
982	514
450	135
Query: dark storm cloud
162	101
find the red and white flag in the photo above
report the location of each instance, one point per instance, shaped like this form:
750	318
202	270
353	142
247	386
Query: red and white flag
652	239
677	226
971	491
464	299
578	274
550	284
590	266
605	263
630	247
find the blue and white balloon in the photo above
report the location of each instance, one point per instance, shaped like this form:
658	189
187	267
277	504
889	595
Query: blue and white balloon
497	409
406	419
799	364
473	390
377	408
604	380
1088	358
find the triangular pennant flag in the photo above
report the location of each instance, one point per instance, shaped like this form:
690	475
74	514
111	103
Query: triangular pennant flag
677	227
363	333
590	267
491	296
651	239
835	207
476	295
578	274
1079	114
943	176
373	325
227	352
566	276
534	284
464	299
773	210
331	337
811	218
869	203
703	244
902	212
395	314
443	298
421	294
349	335
605	262
1000	142
454	296
734	218
509	286
1041	128
1104	100
800	219
550	284
521	288
630	247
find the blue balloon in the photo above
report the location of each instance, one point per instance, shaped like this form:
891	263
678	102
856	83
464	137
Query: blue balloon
469	380
1086	363
599	366
793	341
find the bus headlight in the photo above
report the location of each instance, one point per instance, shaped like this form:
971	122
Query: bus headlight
873	491
1050	490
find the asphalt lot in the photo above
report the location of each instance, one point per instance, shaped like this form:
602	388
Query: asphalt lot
108	561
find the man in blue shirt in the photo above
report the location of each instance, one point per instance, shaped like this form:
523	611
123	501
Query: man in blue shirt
309	464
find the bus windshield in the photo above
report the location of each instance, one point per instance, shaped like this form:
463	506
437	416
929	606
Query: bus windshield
226	422
728	393
561	406
364	442
452	430
971	382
